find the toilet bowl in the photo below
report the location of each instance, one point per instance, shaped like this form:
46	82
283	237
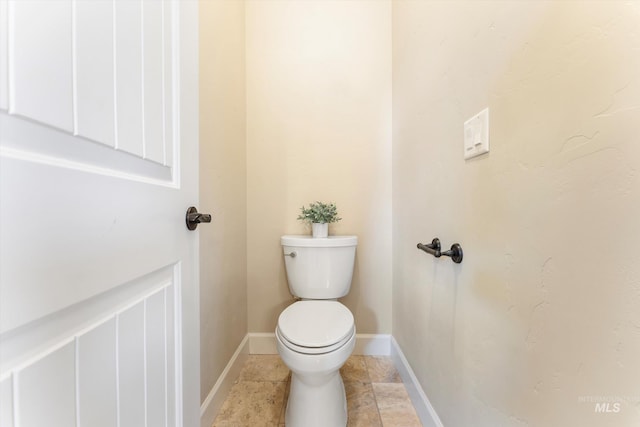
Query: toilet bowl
316	336
315	339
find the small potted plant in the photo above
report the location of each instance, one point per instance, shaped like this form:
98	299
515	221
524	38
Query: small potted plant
319	215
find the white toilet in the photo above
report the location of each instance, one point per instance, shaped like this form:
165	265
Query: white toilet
315	336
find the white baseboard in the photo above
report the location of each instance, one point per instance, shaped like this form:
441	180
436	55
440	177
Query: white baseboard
425	410
212	404
366	344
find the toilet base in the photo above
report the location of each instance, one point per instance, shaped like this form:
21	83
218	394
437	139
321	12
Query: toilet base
316	402
317	397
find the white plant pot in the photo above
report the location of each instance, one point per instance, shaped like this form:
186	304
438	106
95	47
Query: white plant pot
319	230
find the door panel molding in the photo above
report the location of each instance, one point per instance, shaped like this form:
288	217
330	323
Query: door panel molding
110	79
49	146
66	344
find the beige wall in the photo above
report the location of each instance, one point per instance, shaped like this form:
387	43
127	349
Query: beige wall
223	277
545	307
319	128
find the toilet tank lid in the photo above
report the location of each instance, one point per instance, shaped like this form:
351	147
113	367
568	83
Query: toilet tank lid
314	242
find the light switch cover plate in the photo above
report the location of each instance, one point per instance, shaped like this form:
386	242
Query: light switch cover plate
476	135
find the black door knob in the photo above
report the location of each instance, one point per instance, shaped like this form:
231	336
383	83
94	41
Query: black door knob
194	218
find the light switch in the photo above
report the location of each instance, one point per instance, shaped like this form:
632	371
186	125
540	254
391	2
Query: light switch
476	134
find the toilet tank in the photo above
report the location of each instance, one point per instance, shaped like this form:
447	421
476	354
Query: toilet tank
322	268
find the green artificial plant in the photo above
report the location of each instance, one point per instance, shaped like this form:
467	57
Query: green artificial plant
319	213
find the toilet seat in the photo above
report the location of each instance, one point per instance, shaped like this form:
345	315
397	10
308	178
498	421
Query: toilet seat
315	327
313	350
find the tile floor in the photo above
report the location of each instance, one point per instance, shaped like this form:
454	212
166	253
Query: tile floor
376	396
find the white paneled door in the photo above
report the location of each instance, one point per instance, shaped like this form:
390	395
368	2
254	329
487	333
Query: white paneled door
98	165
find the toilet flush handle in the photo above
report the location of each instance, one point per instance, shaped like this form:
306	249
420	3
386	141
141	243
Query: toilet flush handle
292	254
